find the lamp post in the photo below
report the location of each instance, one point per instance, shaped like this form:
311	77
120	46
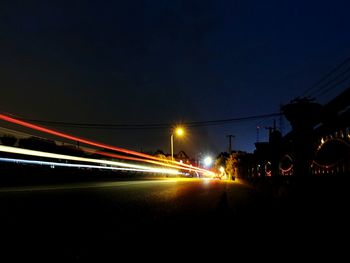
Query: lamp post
180	132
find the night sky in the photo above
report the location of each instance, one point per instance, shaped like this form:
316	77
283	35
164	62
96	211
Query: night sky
166	62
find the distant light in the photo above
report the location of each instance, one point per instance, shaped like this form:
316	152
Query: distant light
208	161
206	180
222	169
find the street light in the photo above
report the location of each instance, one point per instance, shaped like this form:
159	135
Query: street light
179	132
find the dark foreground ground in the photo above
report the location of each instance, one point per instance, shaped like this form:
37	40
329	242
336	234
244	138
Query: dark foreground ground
100	219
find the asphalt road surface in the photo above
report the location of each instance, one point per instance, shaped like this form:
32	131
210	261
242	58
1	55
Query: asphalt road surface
101	219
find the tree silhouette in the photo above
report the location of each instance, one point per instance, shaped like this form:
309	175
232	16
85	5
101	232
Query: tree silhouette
8	140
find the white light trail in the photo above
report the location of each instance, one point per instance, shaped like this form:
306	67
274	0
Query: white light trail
24	161
15	150
146	157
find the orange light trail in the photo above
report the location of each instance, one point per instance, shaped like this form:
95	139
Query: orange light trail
99	145
143	160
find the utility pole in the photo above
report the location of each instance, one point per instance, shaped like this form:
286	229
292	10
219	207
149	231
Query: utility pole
257	133
281	123
271	128
230	142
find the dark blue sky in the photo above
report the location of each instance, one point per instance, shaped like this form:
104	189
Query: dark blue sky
166	61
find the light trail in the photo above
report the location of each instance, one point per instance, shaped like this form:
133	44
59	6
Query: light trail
70	137
190	168
99	145
15	150
72	165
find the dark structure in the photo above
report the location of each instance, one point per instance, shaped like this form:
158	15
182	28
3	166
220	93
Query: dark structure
319	143
332	138
267	155
302	115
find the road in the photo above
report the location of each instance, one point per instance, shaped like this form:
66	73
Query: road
81	220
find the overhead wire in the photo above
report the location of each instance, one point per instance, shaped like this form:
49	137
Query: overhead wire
335	85
141	126
321	84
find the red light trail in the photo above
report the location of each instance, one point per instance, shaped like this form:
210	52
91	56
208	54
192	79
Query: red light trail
101	145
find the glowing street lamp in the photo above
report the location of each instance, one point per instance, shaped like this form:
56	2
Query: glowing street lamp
179	131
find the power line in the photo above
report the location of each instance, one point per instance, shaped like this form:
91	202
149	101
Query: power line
135	126
335	85
310	91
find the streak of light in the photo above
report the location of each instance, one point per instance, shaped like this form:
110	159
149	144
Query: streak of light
190	168
71	165
74	165
9	149
96	144
70	137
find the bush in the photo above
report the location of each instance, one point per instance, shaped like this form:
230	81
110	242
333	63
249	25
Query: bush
8	140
